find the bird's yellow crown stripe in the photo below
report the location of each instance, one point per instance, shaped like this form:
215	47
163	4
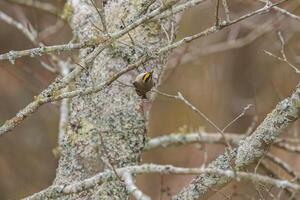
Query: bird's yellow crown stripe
147	76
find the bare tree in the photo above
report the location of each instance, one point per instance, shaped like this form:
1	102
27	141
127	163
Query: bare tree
103	121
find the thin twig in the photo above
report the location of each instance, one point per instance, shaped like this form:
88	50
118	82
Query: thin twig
283	11
217	13
9	20
283	55
12	55
227	12
176	139
252	126
179	96
10	124
282	164
101	16
238	117
214	29
64	109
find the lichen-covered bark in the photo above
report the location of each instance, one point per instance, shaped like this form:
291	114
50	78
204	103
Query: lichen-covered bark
109	125
248	151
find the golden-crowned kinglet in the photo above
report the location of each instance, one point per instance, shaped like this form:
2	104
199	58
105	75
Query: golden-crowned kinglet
143	83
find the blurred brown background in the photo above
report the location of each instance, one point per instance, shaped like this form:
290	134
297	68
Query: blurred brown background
218	82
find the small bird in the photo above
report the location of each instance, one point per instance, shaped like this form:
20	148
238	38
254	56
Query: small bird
143	83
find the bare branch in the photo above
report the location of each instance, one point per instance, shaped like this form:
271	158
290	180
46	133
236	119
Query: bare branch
283	55
47	7
101	16
12	55
57	191
250	149
238	117
214	29
64	109
132	188
90	90
105	42
30	35
39	51
283	11
282	164
44	96
179	96
95	91
288	147
40	100
217	19
227	12
177	139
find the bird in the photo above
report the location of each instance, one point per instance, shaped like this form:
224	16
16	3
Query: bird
143	83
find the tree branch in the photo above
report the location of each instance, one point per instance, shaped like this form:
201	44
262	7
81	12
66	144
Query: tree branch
249	150
77	187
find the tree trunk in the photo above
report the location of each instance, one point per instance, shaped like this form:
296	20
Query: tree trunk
108	129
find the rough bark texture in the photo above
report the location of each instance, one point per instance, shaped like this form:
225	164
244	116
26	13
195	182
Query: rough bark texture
113	116
249	150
